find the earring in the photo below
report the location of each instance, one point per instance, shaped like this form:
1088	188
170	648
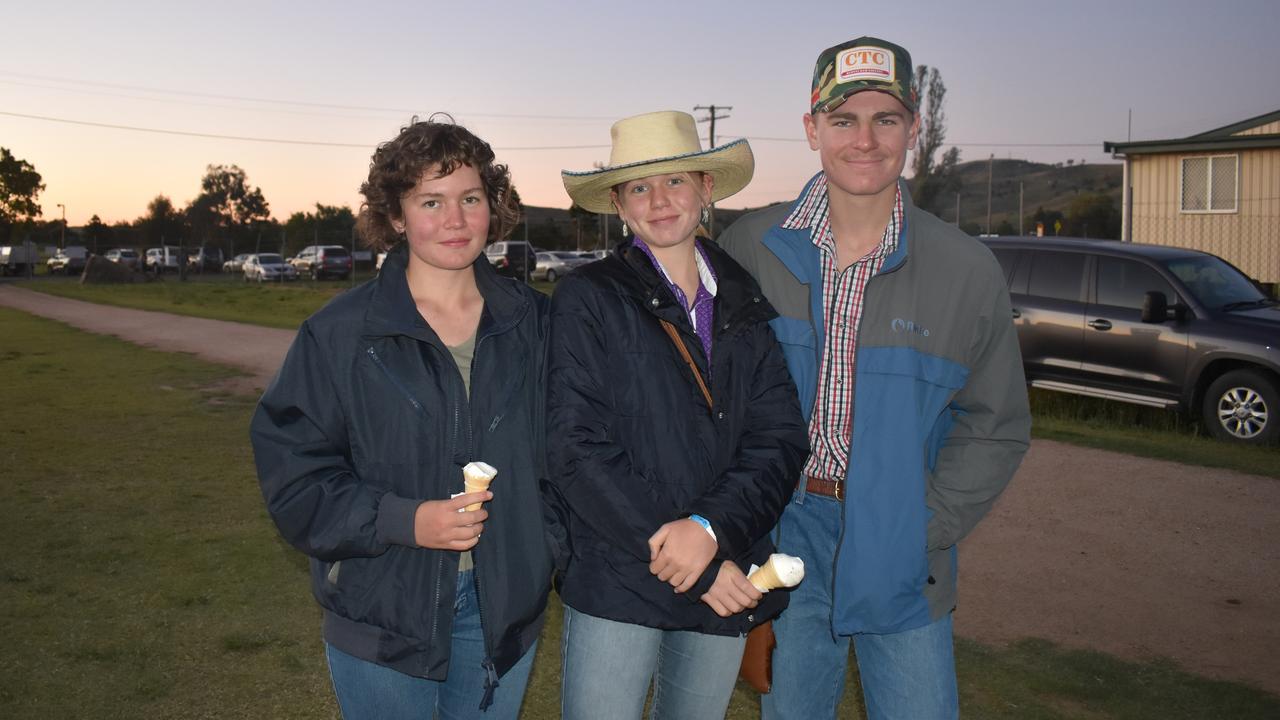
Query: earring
706	216
624	228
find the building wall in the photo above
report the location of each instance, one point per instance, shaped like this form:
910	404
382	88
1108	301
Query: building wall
1249	238
1268	129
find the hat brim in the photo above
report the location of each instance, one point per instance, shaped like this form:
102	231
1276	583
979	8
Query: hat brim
732	166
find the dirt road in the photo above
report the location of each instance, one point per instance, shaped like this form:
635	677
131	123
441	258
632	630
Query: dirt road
1087	548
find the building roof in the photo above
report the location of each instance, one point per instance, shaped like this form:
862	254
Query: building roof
1216	140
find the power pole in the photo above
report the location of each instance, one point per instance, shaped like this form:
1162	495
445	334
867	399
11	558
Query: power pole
990	167
1020	233
957	208
711	143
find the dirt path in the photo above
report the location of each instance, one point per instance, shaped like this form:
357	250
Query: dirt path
256	350
1090	549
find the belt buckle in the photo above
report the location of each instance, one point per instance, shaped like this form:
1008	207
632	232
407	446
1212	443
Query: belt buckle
839	491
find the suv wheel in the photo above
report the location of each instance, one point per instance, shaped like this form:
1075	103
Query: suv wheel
1241	406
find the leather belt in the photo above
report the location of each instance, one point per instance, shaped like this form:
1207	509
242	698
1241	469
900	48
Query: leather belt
829	488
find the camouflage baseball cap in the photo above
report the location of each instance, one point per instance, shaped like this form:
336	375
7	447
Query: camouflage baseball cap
864	64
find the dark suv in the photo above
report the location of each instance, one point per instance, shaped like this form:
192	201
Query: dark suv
319	261
1147	324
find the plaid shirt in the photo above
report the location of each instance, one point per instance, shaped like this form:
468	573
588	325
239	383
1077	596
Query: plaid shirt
831	425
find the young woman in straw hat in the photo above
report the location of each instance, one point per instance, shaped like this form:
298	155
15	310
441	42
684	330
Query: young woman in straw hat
386	394
679	435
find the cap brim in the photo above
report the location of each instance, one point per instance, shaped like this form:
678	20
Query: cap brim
732	166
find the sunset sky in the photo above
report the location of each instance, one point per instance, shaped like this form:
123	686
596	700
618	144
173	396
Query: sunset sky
113	103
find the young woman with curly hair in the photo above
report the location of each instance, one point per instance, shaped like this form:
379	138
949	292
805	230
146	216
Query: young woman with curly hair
360	442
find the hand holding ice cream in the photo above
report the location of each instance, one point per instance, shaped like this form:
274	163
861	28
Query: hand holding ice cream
476	477
779	571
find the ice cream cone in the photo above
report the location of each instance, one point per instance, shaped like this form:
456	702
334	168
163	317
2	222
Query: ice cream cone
476	477
779	571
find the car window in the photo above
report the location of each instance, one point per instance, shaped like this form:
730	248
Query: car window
1212	281
335	252
1125	283
1056	275
268	259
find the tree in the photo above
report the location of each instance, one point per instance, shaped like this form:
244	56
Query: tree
162	225
20	185
930	180
1093	215
226	207
328	225
98	232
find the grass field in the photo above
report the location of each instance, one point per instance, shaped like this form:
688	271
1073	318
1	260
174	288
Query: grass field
141	577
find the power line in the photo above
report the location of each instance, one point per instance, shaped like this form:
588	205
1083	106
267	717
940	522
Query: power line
244	138
317	143
277	101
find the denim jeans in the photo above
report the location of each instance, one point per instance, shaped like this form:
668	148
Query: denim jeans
608	665
368	691
908	675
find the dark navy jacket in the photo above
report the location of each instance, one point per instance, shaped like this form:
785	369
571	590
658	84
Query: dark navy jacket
369	417
635	446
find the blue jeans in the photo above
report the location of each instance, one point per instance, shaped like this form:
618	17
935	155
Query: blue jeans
368	691
909	675
608	665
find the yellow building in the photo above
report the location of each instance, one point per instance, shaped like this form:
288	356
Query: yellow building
1218	191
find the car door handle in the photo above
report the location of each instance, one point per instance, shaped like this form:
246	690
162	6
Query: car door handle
1100	324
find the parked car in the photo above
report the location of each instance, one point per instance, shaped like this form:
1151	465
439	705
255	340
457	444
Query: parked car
511	258
552	266
162	259
16	259
69	260
235	264
268	266
597	254
127	257
205	259
320	261
1147	324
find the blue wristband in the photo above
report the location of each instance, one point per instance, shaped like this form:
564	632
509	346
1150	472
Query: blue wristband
706	525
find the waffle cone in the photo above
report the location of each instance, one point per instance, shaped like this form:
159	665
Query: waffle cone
475	485
765	578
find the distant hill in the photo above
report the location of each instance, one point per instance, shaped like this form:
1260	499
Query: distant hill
1051	187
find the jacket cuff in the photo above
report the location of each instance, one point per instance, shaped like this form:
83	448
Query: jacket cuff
705	581
395	519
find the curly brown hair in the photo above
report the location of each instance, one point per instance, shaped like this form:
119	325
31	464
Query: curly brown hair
398	165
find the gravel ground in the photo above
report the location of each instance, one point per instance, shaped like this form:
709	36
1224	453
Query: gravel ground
1091	549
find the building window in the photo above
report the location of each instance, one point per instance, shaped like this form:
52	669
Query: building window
1210	184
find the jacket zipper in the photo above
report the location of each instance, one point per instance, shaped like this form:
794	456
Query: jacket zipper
490	672
394	380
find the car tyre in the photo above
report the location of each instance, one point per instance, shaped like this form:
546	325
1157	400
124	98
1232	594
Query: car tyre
1242	406
551	276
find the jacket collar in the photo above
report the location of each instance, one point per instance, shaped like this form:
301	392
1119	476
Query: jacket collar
795	250
738	295
392	310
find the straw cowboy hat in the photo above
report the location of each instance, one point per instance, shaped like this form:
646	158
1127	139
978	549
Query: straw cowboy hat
658	144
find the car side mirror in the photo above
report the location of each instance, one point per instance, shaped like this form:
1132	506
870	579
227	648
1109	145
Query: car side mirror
1155	307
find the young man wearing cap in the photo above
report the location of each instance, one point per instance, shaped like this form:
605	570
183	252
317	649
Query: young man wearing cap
897	330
